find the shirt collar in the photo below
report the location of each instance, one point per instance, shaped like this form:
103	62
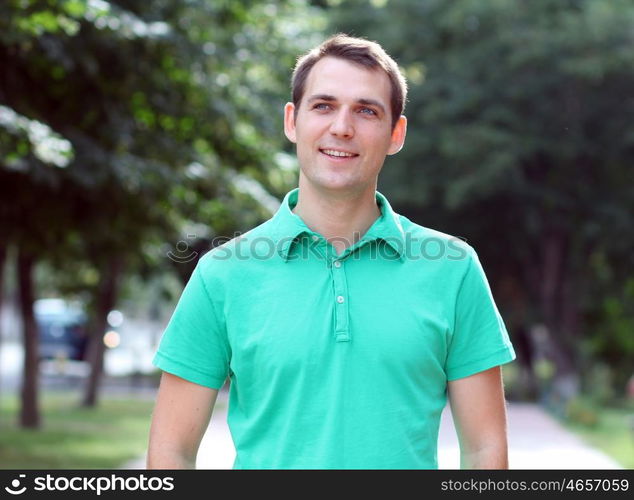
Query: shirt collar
289	226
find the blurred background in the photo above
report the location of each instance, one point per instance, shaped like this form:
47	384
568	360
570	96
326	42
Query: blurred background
135	136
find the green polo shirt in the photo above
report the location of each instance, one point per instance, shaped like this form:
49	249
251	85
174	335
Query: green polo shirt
335	361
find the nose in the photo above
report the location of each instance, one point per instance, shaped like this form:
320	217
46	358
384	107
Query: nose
342	124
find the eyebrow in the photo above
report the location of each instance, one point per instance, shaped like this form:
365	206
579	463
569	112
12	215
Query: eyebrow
332	98
372	102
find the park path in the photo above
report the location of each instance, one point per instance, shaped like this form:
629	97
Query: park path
536	441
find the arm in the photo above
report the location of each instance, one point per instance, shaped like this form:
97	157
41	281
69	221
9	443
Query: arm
180	419
479	413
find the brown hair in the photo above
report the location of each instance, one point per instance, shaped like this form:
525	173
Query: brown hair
359	51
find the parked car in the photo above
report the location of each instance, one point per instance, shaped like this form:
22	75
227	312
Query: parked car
62	329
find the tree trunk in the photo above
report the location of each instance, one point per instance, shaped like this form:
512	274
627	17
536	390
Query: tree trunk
105	302
29	413
553	285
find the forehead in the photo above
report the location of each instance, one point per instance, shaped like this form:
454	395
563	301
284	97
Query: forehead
346	80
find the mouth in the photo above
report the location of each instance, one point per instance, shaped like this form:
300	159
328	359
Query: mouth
337	154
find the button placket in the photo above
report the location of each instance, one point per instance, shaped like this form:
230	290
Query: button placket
340	288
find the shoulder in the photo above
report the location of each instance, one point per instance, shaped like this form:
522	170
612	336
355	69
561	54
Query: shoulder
259	243
431	245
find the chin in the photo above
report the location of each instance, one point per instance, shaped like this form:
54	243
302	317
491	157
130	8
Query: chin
336	183
333	182
348	187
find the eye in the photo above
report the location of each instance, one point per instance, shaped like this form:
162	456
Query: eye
368	111
322	106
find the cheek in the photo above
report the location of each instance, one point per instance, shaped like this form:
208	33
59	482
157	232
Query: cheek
304	138
375	135
379	145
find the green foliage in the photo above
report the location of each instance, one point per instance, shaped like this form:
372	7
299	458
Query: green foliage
39	17
162	104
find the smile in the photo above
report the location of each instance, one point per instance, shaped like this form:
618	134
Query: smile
338	154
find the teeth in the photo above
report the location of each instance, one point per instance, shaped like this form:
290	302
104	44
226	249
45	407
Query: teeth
332	152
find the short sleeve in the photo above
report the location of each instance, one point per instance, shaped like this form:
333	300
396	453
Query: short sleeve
194	345
479	339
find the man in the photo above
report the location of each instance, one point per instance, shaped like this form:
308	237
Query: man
342	325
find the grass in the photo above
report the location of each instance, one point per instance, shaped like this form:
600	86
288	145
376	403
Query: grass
75	438
612	432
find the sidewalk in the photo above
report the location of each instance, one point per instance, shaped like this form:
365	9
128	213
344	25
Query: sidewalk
536	441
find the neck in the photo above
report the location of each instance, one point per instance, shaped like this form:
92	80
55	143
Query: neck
340	217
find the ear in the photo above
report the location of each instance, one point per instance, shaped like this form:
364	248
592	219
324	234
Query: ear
398	136
289	122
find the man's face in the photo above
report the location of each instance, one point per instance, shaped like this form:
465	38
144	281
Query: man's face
343	128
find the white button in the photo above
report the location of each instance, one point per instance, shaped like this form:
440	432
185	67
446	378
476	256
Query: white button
340	299
315	237
337	263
